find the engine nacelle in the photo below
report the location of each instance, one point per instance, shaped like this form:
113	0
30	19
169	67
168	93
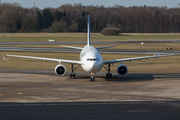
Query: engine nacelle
122	69
60	70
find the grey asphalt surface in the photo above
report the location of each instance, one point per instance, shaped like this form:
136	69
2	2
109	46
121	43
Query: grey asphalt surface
91	111
113	110
73	43
34	49
78	51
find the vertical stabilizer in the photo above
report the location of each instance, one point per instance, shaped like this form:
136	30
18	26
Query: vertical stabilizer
88	37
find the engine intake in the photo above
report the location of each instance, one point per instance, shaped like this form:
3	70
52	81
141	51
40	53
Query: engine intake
122	69
60	70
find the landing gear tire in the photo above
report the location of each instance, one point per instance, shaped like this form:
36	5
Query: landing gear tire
92	78
72	75
108	75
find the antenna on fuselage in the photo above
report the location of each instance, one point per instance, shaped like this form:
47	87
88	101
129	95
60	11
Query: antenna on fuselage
88	37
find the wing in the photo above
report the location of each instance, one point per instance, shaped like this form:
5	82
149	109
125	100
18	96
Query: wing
50	59
137	58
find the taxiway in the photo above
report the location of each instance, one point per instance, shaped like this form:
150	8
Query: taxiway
115	51
27	94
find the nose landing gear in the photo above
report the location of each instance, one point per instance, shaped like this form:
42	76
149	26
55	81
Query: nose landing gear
92	77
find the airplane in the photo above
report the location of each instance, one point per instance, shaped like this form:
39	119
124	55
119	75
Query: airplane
90	60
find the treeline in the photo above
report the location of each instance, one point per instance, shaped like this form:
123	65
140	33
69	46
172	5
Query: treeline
73	18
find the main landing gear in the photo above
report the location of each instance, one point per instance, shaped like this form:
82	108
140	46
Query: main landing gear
108	75
72	74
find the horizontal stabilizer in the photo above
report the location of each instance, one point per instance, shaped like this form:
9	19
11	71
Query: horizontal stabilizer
106	47
71	47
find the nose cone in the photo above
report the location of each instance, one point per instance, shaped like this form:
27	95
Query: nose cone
92	67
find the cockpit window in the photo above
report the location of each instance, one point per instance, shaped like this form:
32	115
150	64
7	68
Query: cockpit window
92	59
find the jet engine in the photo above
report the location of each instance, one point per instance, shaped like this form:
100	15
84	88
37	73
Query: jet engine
60	70
122	69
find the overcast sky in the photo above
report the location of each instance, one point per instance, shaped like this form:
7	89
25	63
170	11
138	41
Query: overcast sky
57	3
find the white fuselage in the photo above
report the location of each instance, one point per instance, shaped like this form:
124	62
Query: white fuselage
91	59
